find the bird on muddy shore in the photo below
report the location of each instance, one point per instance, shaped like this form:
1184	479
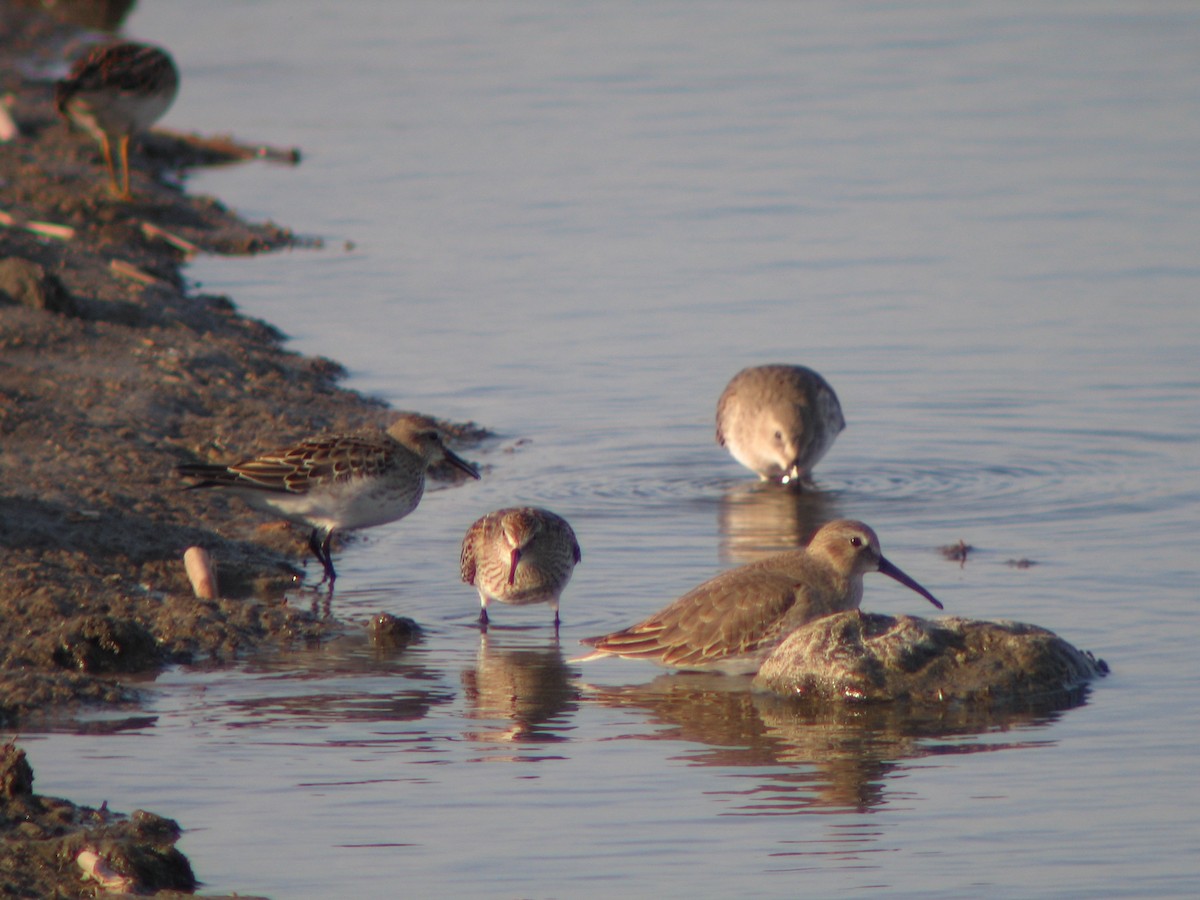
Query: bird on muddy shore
778	420
113	91
519	555
732	622
337	482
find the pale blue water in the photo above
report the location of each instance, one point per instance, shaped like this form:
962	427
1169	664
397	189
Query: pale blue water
573	223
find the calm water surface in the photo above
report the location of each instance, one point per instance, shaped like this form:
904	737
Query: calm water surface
573	223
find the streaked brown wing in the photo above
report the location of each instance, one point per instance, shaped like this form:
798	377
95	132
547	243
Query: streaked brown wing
476	534
314	462
126	67
726	616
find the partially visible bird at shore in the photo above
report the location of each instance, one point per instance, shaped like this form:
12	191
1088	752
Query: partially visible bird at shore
519	555
337	482
732	622
114	91
778	420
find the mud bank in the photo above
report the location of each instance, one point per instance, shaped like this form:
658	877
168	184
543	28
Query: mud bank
111	374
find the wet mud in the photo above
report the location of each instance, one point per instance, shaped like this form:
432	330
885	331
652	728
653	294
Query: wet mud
112	372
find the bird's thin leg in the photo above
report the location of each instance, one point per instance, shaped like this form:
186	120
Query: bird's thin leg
556	621
483	618
315	546
106	149
320	549
124	147
328	560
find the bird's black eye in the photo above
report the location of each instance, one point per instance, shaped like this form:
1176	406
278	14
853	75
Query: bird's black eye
855	542
779	435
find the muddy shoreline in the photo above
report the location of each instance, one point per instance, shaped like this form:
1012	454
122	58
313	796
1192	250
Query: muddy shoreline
111	374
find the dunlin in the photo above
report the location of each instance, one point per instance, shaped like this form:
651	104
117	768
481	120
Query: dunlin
337	482
732	622
778	420
114	91
519	555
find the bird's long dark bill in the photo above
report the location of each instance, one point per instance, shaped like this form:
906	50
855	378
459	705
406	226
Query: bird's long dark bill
893	572
512	568
459	463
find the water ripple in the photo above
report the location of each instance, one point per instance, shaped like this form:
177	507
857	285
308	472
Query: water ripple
960	480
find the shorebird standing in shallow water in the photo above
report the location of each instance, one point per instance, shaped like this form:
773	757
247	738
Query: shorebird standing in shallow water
778	420
116	90
337	482
519	555
732	622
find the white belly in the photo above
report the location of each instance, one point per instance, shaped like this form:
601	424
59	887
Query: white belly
345	505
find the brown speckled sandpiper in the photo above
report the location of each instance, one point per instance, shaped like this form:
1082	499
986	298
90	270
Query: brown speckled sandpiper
337	482
778	420
519	555
732	622
114	91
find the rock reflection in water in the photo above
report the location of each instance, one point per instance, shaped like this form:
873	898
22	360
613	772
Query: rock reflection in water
758	519
527	687
821	757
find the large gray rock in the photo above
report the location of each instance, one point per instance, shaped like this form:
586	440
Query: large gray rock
863	656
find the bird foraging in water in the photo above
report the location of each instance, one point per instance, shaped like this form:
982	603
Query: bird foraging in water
732	622
114	91
337	482
778	420
519	555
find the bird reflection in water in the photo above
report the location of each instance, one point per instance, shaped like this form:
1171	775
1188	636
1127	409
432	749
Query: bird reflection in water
758	519
527	688
788	758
